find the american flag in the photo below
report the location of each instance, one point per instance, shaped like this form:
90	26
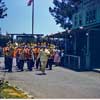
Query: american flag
30	2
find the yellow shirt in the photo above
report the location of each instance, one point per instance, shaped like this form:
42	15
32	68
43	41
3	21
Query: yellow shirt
43	55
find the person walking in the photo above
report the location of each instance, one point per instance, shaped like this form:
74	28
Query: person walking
43	58
37	57
18	52
5	53
62	58
50	59
56	58
21	59
30	61
10	58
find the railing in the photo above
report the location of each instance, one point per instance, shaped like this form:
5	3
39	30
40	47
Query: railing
73	61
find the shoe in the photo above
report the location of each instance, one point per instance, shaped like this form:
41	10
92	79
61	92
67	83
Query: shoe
22	70
29	69
9	71
43	73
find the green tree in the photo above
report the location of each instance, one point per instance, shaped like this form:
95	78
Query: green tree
3	8
63	11
4	40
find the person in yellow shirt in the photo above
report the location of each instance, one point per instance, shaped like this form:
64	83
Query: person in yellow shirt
43	59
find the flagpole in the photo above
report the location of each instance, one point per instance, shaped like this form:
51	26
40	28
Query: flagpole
33	17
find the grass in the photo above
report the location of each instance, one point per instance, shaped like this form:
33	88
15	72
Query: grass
9	92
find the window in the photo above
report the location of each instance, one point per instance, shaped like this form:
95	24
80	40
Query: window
94	15
90	16
87	17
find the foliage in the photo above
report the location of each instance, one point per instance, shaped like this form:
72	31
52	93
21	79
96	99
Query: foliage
63	11
3	9
11	92
4	40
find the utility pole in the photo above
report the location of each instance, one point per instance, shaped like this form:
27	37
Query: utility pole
33	18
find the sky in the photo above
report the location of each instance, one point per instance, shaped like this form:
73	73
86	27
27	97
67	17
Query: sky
19	19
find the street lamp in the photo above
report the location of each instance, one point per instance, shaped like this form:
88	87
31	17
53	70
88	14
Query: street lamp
33	18
87	34
81	27
88	51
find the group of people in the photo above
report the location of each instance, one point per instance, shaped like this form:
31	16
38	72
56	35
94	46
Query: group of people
38	57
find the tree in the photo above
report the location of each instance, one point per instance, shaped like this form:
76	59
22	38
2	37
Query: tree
63	11
4	40
3	9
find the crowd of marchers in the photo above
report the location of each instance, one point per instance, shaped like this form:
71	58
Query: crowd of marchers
39	57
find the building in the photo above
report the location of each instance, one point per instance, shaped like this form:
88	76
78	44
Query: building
88	14
27	38
81	43
86	27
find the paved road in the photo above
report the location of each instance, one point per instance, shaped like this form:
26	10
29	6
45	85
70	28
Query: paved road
58	83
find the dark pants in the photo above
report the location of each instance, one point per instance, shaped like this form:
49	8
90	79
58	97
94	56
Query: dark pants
17	59
38	62
6	62
30	64
10	62
21	63
49	64
18	64
62	61
0	53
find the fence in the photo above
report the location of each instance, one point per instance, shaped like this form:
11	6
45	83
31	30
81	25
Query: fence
73	61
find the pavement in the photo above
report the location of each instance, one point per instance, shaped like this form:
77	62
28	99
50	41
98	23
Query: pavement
57	83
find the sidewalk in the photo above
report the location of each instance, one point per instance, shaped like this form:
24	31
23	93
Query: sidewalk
58	83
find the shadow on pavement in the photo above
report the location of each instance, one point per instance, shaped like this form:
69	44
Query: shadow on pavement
41	74
82	70
96	70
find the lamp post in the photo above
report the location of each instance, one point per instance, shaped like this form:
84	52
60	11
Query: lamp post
33	17
88	51
65	51
75	43
66	46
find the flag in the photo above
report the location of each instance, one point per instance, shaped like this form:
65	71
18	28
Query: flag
30	2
